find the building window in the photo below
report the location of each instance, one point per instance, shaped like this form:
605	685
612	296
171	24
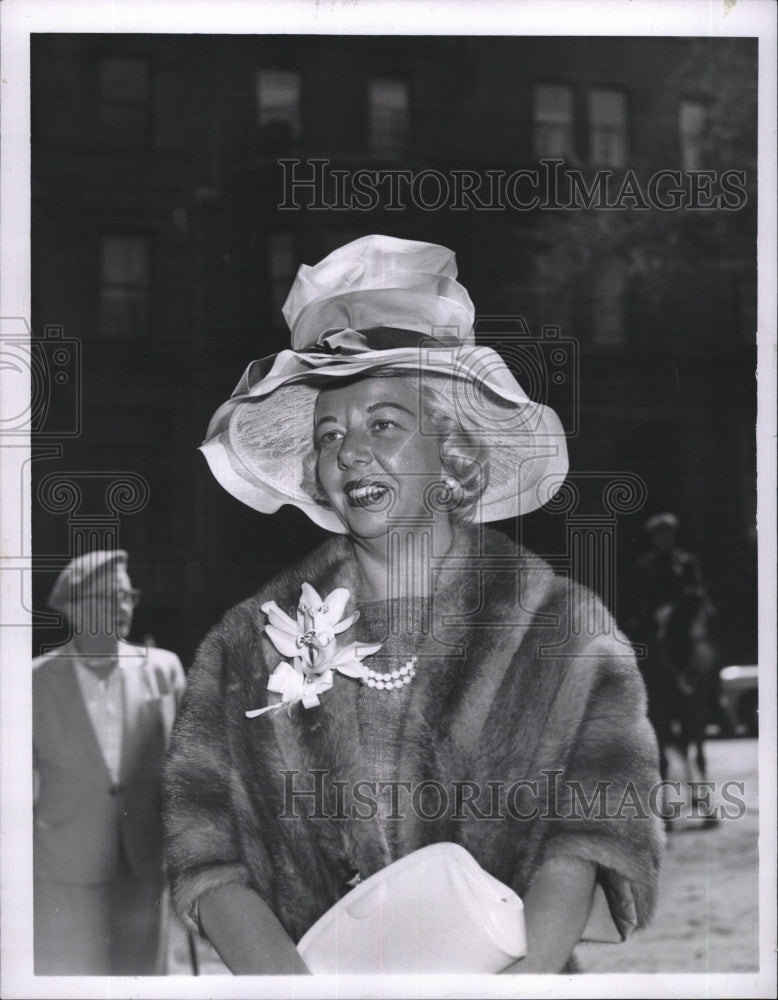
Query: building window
124	286
387	116
124	93
278	101
553	120
608	292
282	265
553	295
693	134
607	128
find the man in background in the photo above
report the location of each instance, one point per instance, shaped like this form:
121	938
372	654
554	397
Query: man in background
102	714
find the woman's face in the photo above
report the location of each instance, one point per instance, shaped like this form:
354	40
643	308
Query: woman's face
373	462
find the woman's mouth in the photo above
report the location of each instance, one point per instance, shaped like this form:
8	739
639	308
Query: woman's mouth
366	494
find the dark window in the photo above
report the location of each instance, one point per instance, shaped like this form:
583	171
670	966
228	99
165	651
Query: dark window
553	120
608	299
124	286
553	295
124	92
693	134
278	100
607	128
387	116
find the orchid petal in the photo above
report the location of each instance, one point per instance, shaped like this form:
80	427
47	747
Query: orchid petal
284	643
278	618
282	622
300	662
346	623
348	661
322	659
310	597
319	623
323	637
354	651
336	603
352	668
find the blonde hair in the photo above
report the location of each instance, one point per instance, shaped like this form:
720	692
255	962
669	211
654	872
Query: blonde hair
463	457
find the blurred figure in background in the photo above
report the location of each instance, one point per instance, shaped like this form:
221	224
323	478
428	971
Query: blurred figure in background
102	713
671	615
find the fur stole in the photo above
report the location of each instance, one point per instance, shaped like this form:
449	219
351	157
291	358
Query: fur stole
527	699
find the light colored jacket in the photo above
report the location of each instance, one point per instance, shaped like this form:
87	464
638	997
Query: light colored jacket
81	816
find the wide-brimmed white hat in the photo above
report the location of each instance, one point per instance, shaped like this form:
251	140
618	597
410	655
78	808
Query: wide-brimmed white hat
381	303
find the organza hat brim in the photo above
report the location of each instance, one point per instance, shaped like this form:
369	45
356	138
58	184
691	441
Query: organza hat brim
257	440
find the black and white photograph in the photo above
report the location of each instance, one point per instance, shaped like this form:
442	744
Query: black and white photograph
387	430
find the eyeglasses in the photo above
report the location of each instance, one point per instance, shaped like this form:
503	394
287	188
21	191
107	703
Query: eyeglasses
128	596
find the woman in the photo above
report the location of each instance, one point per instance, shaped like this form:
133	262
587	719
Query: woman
428	652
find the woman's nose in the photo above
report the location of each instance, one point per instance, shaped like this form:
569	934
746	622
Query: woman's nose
354	451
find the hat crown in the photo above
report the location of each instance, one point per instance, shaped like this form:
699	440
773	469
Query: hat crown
415	281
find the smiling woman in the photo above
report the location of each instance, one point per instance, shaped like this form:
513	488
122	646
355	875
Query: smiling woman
416	652
415	409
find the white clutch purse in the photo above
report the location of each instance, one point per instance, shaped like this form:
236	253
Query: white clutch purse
433	911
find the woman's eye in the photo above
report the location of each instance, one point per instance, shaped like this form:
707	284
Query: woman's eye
329	437
383	425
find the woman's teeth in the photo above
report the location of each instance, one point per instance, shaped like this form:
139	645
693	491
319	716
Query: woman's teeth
367	494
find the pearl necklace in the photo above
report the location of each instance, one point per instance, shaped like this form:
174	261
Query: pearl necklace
393	678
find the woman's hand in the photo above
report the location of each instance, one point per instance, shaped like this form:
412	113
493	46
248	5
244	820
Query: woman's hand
556	908
247	934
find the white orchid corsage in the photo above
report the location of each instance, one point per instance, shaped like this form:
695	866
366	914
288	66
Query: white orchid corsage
310	643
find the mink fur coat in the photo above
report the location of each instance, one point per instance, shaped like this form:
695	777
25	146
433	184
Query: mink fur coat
524	679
